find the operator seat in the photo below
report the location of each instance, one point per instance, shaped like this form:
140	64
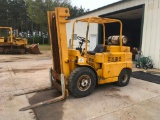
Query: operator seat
98	49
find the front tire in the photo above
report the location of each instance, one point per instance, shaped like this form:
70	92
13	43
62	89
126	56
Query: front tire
124	77
82	82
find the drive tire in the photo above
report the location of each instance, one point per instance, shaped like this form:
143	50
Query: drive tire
124	77
82	82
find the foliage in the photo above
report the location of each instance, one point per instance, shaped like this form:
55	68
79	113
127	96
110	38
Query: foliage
13	13
30	16
37	10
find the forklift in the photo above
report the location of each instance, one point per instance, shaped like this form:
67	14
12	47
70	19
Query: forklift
77	71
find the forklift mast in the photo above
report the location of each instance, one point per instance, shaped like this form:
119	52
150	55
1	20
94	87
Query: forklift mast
58	39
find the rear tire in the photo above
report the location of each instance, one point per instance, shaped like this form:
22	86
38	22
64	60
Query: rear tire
124	77
82	82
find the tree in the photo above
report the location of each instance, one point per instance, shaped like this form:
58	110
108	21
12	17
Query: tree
37	9
13	13
31	15
37	12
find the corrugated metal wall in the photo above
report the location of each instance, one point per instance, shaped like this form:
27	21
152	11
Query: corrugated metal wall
151	31
151	27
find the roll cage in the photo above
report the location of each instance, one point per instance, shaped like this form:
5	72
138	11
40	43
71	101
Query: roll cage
97	20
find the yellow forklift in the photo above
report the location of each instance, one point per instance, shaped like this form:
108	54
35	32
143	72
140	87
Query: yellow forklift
77	72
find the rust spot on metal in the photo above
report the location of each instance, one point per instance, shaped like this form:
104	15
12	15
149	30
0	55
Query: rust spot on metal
33	49
55	47
66	11
57	86
56	75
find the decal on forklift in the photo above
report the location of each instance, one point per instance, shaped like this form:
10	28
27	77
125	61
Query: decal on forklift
114	59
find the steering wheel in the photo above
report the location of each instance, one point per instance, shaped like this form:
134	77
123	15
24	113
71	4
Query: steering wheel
82	39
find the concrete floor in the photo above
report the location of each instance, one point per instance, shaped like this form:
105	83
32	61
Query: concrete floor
140	100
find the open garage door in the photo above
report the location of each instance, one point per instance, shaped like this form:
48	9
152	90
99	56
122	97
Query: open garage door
132	19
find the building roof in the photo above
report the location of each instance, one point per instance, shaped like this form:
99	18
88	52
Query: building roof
109	5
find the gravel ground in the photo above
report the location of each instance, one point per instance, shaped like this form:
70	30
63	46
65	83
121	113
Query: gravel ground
140	100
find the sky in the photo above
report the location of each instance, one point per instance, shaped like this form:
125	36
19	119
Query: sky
92	4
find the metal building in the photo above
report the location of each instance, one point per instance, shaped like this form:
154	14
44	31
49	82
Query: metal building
141	25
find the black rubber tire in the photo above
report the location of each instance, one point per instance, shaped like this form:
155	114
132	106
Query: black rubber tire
150	66
73	81
145	67
137	65
121	82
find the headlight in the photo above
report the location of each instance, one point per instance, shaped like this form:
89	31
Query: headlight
80	60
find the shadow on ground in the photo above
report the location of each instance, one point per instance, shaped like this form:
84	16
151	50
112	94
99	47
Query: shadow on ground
150	77
55	111
47	112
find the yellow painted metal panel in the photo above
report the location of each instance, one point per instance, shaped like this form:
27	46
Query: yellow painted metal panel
129	64
2	39
61	27
117	49
99	73
113	69
107	80
99	58
59	16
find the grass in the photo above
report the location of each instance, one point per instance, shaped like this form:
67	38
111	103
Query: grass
43	47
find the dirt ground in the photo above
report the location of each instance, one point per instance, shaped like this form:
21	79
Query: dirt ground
140	100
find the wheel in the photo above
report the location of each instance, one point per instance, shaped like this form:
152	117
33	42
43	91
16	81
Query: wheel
137	65
124	77
150	66
145	67
82	82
